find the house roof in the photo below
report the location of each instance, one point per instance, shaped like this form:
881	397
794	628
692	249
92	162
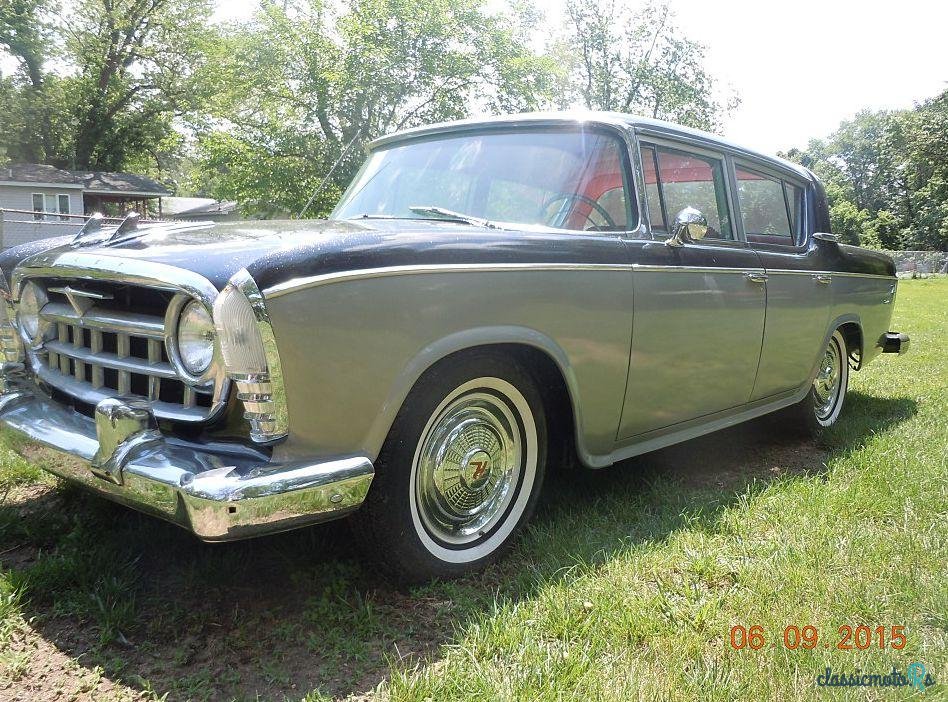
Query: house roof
37	173
97	182
108	183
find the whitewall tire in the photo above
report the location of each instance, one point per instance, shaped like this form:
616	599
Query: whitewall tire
824	401
460	473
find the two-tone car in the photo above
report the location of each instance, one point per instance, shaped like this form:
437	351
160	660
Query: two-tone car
487	298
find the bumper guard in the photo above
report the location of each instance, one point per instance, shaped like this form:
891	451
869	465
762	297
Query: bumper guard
894	342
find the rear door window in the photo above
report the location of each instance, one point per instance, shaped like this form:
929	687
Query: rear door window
772	209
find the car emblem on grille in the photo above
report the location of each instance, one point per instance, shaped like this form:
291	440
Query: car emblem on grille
81	300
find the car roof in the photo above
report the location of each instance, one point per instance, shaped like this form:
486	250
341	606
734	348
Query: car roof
648	125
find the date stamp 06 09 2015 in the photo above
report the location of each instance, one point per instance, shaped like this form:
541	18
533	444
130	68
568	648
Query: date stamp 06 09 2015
848	638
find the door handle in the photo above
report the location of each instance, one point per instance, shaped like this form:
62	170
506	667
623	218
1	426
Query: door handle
755	277
823	279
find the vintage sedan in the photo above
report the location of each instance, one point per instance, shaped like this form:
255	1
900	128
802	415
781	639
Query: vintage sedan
487	298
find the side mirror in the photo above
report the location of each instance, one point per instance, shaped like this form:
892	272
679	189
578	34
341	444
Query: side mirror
823	236
690	226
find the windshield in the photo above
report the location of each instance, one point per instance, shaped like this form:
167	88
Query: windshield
565	179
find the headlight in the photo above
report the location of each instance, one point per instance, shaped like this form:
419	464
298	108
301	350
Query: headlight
32	300
195	338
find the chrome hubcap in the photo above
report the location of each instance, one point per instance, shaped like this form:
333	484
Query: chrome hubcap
827	383
468	465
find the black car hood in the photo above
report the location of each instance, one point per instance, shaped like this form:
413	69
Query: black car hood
216	251
277	251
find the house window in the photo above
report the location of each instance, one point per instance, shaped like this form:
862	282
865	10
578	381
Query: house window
63	202
39	206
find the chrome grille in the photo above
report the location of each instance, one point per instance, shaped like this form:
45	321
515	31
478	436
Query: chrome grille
115	347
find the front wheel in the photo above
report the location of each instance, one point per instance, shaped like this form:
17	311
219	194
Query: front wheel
823	403
460	472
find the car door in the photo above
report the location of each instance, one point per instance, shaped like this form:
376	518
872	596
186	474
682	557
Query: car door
776	219
698	317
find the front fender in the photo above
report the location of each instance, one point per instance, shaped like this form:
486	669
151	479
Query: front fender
462	341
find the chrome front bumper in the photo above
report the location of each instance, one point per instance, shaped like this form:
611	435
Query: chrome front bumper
217	491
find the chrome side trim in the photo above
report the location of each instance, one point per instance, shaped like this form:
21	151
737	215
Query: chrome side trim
786	271
389	271
693	428
295	284
695	269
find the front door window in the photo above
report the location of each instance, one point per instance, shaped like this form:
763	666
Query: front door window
676	179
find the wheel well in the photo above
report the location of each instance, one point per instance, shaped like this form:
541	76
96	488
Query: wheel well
557	406
852	335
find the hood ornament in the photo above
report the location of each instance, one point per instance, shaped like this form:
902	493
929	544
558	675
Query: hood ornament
92	232
81	300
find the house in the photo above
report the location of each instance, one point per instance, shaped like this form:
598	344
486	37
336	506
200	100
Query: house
39	201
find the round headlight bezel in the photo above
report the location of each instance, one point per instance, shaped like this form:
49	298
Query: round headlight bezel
32	300
180	312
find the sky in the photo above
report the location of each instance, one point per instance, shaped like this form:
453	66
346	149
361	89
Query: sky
799	66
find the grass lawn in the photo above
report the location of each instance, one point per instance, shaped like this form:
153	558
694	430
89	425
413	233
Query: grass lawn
626	587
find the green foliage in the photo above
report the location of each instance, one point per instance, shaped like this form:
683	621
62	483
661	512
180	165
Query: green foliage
262	111
305	79
100	87
637	62
886	176
25	35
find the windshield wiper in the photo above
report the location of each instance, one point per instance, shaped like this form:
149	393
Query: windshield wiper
453	216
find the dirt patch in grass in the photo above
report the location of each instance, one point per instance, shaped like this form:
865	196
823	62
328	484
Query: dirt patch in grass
275	617
756	450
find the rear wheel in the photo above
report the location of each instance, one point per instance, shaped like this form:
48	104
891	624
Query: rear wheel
460	472
824	402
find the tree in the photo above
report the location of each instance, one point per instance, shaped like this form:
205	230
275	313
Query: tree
307	82
123	71
886	176
638	62
25	35
305	79
924	172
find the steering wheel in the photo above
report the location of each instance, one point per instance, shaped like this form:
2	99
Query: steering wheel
571	197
